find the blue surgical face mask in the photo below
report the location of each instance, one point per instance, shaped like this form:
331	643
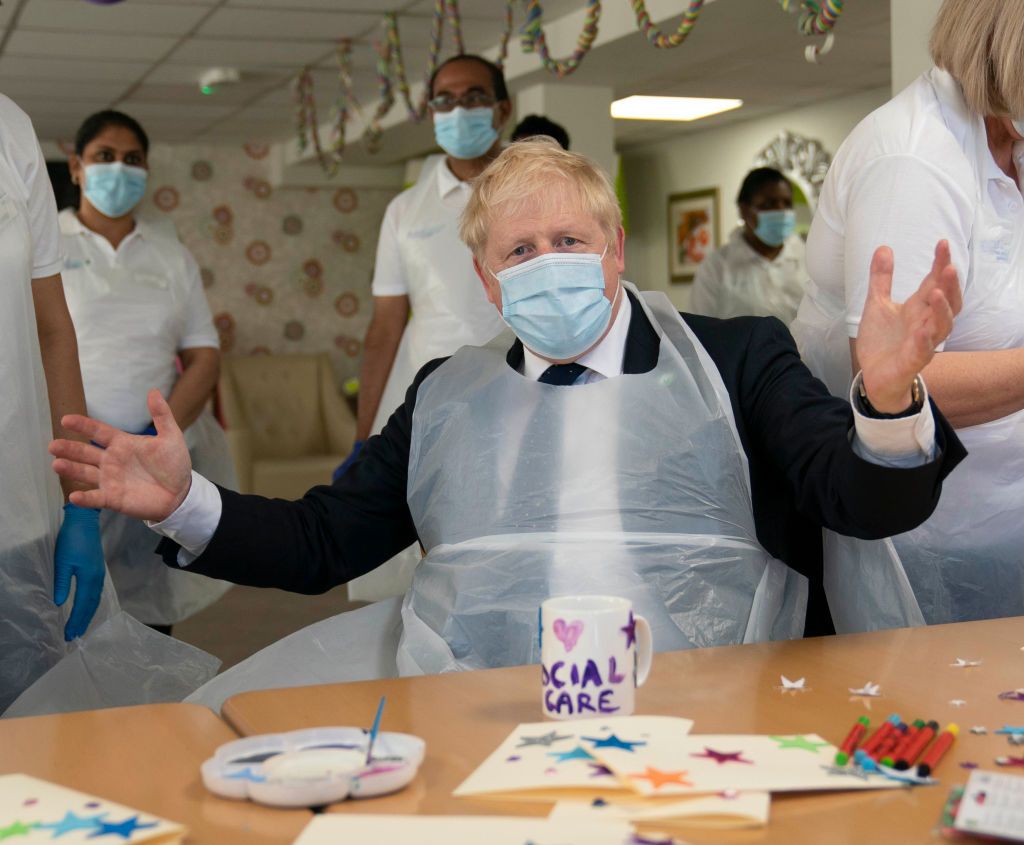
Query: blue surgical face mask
465	133
555	303
773	227
114	188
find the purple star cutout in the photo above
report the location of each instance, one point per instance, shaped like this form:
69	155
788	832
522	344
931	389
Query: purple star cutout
93	805
723	756
967	764
600	770
630	630
513	758
28	802
598	802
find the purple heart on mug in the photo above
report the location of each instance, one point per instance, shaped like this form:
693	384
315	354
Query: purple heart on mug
568	633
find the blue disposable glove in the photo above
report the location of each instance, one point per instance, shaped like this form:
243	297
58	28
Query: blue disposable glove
148	431
351	459
80	554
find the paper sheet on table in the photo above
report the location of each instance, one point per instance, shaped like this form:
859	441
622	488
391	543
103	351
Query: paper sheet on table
993	805
733	811
708	763
445	830
34	811
546	759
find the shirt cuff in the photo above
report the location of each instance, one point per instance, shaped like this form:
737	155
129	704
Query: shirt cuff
195	521
903	442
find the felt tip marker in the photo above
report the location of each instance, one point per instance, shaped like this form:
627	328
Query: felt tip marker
937	751
914	749
884	753
879	735
899	751
856	734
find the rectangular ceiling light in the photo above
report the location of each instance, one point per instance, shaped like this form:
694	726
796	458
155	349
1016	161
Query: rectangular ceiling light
670	108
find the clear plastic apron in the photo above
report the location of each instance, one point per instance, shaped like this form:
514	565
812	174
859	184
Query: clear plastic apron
449	310
966	561
636	486
119	660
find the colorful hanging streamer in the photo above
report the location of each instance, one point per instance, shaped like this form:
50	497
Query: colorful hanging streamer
818	17
506	34
655	36
306	114
533	40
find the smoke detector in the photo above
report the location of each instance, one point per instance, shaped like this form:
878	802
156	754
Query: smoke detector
213	79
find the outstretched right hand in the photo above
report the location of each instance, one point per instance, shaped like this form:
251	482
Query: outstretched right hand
140	476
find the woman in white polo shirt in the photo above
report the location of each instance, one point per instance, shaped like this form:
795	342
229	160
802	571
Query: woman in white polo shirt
137	302
942	161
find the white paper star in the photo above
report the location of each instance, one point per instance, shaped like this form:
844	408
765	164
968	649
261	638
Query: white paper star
788	684
868	689
979	729
963	663
957	702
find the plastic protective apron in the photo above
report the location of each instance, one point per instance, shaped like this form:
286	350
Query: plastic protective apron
634	486
148	589
31	626
965	562
449	310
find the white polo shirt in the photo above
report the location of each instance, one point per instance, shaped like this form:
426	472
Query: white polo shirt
134	309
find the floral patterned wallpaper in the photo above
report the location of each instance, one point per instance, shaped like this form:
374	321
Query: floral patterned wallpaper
286	269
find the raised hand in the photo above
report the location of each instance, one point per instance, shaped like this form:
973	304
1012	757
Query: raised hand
896	342
141	476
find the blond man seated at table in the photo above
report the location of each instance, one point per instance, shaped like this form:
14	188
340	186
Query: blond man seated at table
611	446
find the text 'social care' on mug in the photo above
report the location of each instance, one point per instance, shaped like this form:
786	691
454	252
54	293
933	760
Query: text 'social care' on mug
594	653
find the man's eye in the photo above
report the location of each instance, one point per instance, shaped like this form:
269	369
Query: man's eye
519	251
569	241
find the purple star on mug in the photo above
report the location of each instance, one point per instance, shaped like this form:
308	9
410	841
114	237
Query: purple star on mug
630	630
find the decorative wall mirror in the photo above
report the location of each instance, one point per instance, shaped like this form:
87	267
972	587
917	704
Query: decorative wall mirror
804	161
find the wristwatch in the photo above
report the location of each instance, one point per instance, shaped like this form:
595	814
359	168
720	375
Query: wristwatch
916	402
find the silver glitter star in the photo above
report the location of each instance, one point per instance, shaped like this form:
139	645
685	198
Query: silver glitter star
543	739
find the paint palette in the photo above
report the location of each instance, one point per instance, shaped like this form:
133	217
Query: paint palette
313	767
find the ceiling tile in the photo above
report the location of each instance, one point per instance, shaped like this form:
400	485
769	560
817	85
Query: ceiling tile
193	114
92	46
189	94
275	24
175	74
368	6
249	53
76	69
76	16
34	88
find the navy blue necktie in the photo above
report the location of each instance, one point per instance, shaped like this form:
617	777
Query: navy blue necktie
562	374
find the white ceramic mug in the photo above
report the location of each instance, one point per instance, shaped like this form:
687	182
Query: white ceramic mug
594	653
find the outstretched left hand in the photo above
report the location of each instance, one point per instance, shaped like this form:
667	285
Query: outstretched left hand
896	342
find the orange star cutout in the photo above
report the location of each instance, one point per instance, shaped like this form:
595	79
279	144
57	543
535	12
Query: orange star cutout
659	778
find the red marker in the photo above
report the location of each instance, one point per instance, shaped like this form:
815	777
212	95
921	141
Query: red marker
885	747
936	752
856	734
914	749
901	747
880	734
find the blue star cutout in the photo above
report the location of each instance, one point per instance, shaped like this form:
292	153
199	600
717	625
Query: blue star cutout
72	822
124	829
630	630
245	774
613	742
578	753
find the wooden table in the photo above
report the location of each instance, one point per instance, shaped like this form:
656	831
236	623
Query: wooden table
733	689
148	759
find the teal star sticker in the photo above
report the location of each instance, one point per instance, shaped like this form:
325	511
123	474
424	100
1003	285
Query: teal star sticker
578	753
544	739
72	822
16	829
798	741
123	829
613	742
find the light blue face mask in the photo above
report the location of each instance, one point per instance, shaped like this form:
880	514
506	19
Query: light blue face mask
465	133
1018	124
555	303
773	227
114	188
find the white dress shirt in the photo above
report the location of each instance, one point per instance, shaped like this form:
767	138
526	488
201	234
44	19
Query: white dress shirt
904	442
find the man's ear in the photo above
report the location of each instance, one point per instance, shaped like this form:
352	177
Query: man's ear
502	113
620	249
492	290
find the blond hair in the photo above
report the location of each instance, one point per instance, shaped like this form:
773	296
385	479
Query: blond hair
981	44
522	170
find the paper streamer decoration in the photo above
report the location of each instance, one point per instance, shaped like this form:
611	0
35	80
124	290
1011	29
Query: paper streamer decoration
655	36
533	39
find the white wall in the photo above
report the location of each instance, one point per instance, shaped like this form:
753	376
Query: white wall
715	158
911	27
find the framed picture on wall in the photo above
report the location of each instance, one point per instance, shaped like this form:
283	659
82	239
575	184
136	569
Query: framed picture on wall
692	231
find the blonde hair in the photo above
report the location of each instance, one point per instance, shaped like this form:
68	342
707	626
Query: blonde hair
522	170
981	44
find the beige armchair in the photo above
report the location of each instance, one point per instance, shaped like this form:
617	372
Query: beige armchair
287	426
